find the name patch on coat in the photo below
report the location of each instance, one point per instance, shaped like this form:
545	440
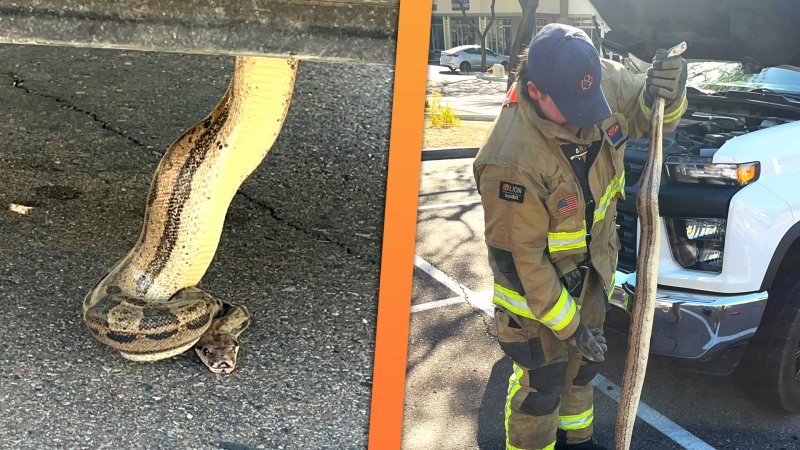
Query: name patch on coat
614	133
567	205
512	192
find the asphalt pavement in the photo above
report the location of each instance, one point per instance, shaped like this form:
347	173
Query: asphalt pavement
81	134
457	377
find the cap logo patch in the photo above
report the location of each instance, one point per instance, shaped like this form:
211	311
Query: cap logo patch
587	81
512	192
567	205
614	133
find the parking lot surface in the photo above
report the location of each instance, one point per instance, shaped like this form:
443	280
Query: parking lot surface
457	377
81	134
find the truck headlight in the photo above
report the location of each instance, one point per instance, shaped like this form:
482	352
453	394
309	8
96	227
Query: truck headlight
700	170
697	244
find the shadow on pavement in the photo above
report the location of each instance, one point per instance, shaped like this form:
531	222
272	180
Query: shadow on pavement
491	417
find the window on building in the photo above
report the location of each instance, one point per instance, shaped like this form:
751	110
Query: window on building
457	4
586	25
437	35
540	23
499	38
461	33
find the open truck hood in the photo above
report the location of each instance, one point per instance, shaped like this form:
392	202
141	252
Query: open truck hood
756	33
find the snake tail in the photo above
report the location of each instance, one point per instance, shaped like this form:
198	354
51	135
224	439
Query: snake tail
142	306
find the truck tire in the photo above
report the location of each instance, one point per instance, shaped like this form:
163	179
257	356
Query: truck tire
770	369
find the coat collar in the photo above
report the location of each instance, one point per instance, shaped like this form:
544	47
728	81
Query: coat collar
553	131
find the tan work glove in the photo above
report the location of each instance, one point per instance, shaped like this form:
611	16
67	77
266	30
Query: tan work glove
590	343
667	78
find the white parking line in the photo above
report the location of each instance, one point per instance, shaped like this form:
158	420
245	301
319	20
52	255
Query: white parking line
449	205
478	300
658	421
437	304
482	301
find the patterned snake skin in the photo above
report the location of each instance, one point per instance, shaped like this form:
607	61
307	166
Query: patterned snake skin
147	306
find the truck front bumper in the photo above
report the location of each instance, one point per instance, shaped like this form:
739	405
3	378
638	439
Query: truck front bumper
694	325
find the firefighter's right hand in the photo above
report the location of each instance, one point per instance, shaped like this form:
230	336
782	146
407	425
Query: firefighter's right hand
590	343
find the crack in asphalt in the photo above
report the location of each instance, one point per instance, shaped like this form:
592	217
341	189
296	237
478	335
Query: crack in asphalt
311	233
17	82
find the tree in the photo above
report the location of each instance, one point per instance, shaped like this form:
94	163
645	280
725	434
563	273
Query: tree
475	28
524	34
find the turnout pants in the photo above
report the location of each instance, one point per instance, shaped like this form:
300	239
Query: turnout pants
551	384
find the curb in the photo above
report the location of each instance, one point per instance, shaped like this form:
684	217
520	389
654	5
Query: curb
476	117
483	76
438	154
472	117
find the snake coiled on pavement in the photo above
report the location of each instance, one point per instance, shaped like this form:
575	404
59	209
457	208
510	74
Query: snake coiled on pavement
147	306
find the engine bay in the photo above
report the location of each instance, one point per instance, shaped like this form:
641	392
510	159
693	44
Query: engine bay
711	121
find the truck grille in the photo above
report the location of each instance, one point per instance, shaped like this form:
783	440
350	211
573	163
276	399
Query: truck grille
627	223
627	219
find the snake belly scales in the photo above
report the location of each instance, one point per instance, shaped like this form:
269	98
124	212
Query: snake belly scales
147	307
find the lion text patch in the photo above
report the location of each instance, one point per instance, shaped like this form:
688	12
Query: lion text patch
512	192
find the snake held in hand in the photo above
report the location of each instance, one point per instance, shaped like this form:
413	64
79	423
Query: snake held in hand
646	278
147	306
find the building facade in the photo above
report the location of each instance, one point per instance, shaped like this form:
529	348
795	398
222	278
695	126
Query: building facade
449	27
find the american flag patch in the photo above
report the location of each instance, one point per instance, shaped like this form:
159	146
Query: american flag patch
567	205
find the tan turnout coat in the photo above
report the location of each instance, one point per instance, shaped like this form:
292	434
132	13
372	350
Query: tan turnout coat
534	207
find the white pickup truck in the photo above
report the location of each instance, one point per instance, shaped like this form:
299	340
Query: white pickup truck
729	264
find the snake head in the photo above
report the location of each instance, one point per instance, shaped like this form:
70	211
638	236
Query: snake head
218	352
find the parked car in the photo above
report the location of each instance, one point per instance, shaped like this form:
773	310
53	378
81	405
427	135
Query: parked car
728	293
465	57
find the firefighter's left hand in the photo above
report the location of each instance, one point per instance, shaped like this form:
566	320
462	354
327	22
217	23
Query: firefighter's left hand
666	79
589	343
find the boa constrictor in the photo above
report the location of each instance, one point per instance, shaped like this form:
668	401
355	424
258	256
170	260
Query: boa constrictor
646	278
147	306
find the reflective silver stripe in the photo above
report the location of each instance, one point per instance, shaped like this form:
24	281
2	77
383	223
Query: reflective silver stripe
577	421
561	241
512	301
564	311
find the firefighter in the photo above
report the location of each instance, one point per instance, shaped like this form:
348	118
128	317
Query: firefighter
549	174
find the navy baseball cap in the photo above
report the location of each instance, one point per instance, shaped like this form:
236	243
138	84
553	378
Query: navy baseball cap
563	62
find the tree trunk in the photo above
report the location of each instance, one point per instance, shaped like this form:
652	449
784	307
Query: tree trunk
483	52
524	35
477	29
483	37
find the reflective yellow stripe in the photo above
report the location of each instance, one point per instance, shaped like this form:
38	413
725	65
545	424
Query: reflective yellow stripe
643	105
605	200
557	319
613	278
513	387
557	242
675	114
668	118
512	301
562	313
614	187
577	421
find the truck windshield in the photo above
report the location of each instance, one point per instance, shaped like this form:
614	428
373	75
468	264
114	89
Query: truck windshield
715	76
